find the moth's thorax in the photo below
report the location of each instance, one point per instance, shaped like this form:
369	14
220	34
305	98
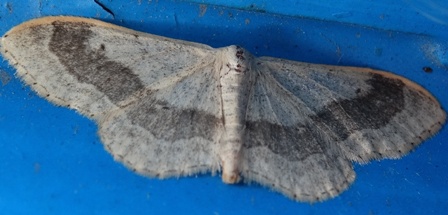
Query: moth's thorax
236	81
234	65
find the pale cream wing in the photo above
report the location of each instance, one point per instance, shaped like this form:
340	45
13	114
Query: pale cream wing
155	99
307	122
93	66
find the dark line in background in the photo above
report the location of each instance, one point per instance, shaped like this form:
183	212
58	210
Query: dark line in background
105	8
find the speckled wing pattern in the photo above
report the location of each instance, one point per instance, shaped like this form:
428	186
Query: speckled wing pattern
166	107
132	106
341	114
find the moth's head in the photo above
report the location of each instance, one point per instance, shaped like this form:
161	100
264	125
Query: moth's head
237	58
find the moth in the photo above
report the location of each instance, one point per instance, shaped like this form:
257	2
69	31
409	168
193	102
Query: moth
167	107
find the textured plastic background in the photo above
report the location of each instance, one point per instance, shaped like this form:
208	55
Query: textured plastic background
52	162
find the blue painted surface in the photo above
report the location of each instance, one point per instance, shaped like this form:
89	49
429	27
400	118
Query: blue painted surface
52	162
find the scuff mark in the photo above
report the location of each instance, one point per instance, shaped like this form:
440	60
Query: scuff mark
342	15
176	21
36	167
40	7
202	10
378	51
9	7
254	7
4	77
338	48
436	54
105	8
